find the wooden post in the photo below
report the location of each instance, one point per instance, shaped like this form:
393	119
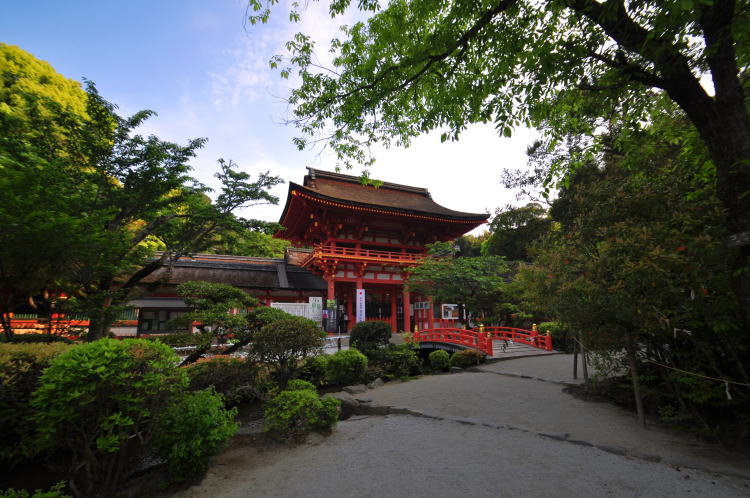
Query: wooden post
575	358
431	314
584	359
394	309
331	286
350	309
406	302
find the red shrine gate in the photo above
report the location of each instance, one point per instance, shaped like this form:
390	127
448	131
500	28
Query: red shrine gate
364	238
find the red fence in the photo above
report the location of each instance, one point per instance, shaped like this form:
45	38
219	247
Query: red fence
462	337
528	337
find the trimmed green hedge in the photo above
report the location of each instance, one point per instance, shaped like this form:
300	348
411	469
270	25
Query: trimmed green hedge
440	360
346	367
21	365
368	336
294	413
467	358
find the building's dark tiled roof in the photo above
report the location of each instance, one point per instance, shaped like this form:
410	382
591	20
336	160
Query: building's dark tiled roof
395	197
274	274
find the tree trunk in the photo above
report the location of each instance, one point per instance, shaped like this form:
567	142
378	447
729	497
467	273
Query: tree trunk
633	361
584	359
575	359
5	310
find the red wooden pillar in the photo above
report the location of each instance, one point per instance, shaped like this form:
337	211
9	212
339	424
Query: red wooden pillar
331	286
394	310
430	314
349	309
407	305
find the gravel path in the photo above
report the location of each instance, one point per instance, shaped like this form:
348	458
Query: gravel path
482	434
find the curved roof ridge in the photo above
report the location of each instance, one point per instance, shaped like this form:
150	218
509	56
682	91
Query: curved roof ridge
314	174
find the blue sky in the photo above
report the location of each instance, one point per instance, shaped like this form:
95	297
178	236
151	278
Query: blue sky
205	72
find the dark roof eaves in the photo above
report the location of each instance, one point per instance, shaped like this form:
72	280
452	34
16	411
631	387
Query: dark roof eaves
458	216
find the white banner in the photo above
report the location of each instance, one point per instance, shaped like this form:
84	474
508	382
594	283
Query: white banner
360	305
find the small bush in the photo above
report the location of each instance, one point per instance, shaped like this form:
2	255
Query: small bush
56	491
368	336
193	430
236	379
300	385
346	367
440	360
292	414
467	358
100	402
315	370
280	344
21	365
562	337
396	361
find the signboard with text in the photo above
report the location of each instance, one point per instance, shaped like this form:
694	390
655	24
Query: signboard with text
316	308
449	311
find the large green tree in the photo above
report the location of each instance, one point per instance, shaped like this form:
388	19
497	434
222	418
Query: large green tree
94	207
638	265
477	284
420	65
514	229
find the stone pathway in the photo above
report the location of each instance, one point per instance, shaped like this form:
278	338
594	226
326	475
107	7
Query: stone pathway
505	429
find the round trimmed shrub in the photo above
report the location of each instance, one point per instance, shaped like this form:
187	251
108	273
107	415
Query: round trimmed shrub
300	385
236	379
396	361
440	360
315	370
466	358
368	336
292	414
101	401
347	367
281	344
563	338
193	430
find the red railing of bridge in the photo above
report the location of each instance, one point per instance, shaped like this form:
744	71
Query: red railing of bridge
481	338
528	337
462	337
393	257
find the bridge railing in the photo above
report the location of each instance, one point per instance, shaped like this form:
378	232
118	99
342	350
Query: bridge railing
523	336
462	337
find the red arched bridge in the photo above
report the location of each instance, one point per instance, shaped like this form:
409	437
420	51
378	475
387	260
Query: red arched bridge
481	338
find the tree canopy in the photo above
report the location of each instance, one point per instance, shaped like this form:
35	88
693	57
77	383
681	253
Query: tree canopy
568	67
476	283
514	229
92	206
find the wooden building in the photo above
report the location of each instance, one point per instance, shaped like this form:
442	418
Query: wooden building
363	238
